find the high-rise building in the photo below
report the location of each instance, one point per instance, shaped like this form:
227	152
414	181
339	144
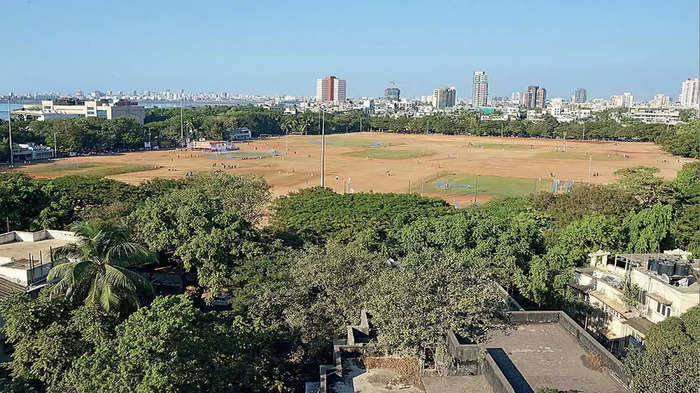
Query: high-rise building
444	97
330	89
480	89
515	97
622	101
580	95
541	98
392	93
660	101
534	97
690	93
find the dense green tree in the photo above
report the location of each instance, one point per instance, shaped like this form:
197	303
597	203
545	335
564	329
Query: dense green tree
21	200
249	195
96	270
584	200
316	215
685	226
644	185
429	294
669	362
207	237
172	346
325	291
590	234
507	239
47	337
549	276
649	229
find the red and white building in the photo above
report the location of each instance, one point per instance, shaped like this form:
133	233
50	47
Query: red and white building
330	89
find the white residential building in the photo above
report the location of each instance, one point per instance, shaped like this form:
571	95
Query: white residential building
75	108
622	101
651	115
480	89
666	284
660	101
690	93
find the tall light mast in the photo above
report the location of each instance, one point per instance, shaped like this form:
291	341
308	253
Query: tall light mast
9	127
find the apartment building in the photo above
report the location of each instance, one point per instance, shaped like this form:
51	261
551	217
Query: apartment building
649	115
330	89
690	93
444	97
480	89
76	108
665	286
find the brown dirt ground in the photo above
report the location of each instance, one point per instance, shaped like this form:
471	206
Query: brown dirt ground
435	154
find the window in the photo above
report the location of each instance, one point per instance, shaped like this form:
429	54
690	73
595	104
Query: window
102	114
663	309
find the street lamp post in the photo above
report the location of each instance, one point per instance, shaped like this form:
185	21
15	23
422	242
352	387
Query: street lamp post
323	148
9	128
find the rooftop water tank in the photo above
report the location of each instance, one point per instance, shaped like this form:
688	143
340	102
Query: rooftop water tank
682	269
654	265
666	268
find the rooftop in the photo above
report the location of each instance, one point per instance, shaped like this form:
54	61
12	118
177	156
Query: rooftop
541	355
19	251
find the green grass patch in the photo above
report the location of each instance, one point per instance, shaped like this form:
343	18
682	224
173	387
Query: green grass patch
388	154
571	155
241	155
351	143
100	169
118	170
466	184
61	168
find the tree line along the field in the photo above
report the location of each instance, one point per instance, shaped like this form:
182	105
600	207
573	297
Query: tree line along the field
295	283
163	127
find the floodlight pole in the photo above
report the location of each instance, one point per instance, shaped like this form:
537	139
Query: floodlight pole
323	148
182	122
9	128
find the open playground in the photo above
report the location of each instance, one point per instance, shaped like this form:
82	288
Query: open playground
456	168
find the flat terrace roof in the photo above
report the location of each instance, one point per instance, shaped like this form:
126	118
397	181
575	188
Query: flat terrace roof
545	355
20	251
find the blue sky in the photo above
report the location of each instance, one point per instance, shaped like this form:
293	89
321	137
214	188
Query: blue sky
281	47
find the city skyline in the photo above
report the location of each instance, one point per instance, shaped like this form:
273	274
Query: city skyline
276	53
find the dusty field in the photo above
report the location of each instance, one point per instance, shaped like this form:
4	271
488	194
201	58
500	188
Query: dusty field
391	163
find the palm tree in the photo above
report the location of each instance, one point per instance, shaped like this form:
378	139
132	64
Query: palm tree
96	269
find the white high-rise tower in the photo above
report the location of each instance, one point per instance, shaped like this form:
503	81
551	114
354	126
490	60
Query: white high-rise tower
480	90
690	93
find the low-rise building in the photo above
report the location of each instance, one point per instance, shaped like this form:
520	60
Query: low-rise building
211	145
663	285
30	152
240	134
651	115
27	257
76	108
540	349
536	350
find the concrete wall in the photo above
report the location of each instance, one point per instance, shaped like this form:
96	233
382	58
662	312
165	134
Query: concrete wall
614	366
65	235
499	383
8	237
19	276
